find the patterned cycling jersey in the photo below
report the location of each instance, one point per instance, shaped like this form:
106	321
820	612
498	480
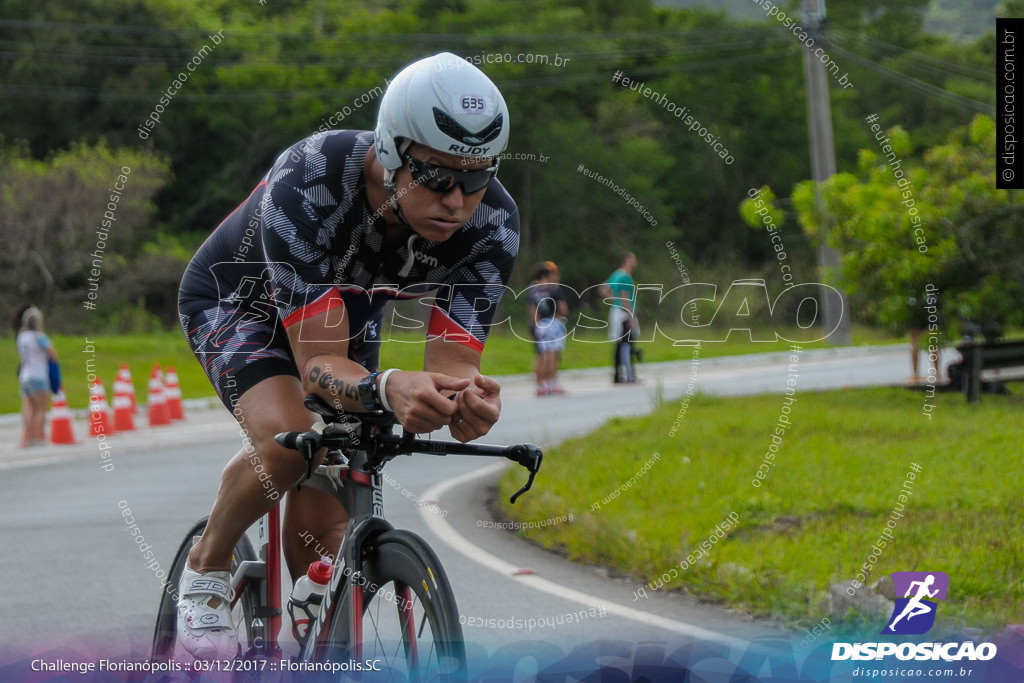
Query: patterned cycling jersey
306	240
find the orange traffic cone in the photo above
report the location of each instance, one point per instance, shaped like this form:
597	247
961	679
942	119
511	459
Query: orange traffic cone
60	420
124	384
158	412
124	412
100	418
173	393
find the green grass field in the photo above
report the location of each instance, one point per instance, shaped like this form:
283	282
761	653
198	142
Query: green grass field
812	523
505	355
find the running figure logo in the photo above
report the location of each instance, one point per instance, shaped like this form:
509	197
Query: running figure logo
914	613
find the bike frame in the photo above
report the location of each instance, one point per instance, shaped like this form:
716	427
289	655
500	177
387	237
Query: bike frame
266	574
357	485
358	490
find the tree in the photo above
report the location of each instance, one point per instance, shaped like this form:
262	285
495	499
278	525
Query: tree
906	221
71	222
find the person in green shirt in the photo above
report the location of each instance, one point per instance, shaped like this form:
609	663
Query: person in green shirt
621	290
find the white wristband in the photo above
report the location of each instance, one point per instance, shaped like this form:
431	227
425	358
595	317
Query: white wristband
383	389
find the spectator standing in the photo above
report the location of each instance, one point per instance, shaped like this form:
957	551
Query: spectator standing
622	324
548	313
34	352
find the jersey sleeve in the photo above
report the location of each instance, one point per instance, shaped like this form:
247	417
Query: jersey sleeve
297	238
464	307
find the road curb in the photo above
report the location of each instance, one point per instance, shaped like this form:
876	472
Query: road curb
207	413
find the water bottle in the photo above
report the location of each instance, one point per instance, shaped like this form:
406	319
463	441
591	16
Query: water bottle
304	605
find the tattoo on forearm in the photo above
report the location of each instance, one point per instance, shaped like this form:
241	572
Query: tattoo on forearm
336	387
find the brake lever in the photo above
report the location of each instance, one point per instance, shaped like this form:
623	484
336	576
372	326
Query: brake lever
529	483
530	458
307	445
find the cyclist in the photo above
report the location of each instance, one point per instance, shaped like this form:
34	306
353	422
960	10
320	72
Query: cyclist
286	298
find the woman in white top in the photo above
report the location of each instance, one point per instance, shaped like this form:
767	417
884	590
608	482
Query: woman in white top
34	350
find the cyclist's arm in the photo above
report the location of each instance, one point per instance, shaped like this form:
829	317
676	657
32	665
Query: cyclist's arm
459	326
319	343
451	358
479	405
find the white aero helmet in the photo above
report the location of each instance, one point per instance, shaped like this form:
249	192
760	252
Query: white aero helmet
445	103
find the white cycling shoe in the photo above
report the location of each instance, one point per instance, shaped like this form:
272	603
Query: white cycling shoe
206	632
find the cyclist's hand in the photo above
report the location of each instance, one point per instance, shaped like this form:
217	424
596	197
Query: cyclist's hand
420	401
478	409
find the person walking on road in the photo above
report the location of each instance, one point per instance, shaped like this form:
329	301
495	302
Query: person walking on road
34	351
622	324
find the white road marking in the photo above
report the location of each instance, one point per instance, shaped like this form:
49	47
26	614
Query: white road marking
460	543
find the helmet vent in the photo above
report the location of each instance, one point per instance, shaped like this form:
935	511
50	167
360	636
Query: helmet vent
454	129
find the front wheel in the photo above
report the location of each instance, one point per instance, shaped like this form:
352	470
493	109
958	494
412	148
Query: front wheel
409	627
165	638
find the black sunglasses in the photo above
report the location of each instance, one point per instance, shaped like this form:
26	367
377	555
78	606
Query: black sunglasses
442	179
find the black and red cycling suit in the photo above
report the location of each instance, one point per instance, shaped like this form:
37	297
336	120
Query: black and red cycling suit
307	240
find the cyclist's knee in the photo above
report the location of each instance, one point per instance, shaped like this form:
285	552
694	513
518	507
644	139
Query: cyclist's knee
275	456
267	409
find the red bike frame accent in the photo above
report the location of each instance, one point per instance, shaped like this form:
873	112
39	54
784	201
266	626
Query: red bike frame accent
273	598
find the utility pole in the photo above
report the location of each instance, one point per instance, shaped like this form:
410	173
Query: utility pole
835	309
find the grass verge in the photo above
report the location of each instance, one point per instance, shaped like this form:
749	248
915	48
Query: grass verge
506	354
812	523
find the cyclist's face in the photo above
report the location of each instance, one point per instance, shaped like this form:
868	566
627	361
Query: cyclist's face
434	215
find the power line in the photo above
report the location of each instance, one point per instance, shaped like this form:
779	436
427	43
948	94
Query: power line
82	54
389	38
688	43
924	61
146	54
73	92
964	103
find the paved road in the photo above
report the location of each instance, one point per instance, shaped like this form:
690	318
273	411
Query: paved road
73	576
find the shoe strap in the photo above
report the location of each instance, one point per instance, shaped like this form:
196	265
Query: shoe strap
217	584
